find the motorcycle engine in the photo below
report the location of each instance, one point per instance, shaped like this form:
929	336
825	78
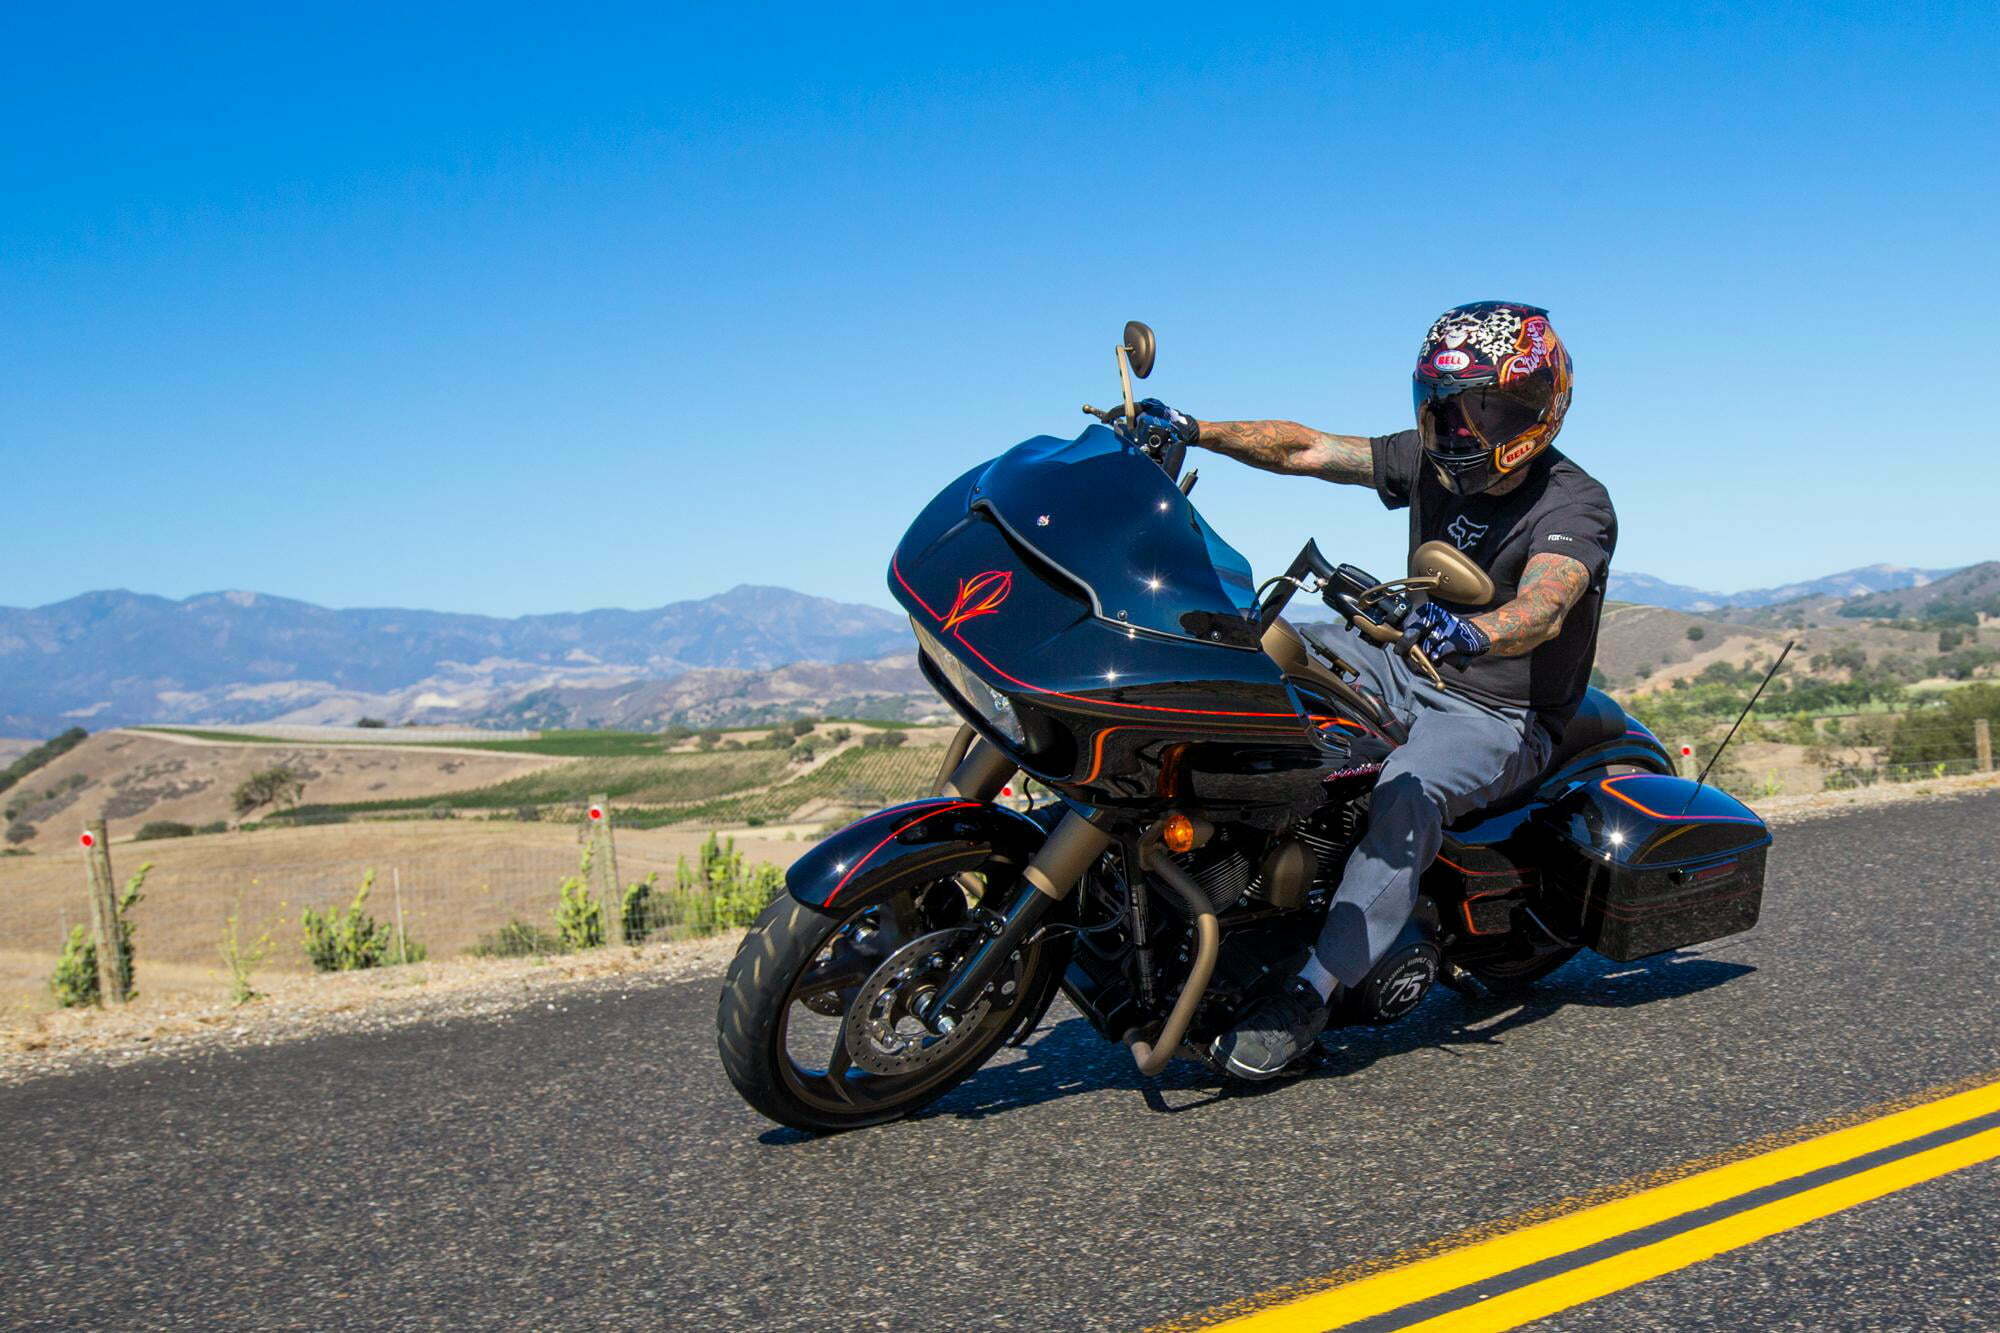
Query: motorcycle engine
1221	869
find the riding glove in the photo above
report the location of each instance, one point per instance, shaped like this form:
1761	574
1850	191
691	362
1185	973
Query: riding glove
1171	424
1444	637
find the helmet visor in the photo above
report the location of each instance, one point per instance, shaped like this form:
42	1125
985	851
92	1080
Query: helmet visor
1465	421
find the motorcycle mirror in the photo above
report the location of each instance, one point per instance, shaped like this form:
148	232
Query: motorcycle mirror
1139	348
1457	577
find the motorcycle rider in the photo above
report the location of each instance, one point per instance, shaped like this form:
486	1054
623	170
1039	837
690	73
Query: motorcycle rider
1492	383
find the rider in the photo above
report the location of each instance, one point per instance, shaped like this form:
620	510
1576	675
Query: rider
1492	384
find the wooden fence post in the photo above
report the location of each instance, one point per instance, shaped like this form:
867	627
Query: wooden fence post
604	865
1982	743
103	911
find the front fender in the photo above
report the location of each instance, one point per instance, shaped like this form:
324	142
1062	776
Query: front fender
943	835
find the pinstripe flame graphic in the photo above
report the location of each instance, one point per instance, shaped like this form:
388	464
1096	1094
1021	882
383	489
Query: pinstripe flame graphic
979	595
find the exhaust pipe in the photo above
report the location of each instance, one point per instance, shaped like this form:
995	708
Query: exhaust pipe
1154	1055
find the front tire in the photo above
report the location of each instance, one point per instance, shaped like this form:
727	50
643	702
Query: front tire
801	970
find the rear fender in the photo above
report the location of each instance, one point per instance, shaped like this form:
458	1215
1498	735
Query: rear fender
940	836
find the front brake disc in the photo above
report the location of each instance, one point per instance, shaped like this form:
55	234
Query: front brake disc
883	1033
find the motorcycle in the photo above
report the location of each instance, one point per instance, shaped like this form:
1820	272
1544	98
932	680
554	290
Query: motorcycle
1211	767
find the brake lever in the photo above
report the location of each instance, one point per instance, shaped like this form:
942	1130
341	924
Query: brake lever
1422	662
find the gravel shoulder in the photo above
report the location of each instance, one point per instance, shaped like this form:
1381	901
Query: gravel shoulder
294	1008
301	1007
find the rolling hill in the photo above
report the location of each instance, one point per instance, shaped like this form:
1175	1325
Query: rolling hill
749	655
114	658
1650	591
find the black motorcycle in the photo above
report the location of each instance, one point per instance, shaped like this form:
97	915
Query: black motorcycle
1211	768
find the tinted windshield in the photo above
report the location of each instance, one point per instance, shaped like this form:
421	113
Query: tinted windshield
1107	515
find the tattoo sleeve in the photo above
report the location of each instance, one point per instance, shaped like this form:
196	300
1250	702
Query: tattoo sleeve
1550	585
1286	446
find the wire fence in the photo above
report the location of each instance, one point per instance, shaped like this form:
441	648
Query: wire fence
1801	755
406	890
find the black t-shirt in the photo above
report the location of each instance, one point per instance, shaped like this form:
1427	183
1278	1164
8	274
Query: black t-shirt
1560	508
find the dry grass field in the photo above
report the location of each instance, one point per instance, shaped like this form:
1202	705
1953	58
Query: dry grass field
131	777
458	880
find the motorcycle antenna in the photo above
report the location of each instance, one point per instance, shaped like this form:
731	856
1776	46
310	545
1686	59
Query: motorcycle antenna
1757	694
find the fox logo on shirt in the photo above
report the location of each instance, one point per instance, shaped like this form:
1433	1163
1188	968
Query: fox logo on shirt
1464	533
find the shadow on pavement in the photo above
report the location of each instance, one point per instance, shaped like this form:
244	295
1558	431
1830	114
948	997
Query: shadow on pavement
1071	1058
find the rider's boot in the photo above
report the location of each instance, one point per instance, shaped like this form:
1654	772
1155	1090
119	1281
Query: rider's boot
1277	1032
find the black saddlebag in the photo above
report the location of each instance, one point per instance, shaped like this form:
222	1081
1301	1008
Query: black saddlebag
1641	863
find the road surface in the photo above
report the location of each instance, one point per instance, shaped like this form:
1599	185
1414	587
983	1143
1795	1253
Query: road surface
584	1163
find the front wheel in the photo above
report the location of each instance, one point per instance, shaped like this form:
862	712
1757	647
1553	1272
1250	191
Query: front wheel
817	1025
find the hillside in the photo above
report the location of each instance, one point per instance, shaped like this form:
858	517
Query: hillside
130	777
116	658
1973	591
888	688
1650	591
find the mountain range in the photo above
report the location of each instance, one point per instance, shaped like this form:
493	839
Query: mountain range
1649	591
112	658
107	659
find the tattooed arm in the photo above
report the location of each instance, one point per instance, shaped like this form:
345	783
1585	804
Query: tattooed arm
1550	586
1286	446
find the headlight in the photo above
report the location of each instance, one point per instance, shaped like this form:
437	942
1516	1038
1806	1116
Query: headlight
993	707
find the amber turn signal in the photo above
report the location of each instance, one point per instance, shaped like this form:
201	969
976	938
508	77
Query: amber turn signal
1178	834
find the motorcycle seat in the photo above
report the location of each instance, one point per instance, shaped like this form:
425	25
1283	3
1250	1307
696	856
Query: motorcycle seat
1598	719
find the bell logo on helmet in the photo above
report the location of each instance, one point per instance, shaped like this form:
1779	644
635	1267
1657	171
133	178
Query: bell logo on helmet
1519	452
1451	361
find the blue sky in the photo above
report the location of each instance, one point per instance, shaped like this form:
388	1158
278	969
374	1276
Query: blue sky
506	310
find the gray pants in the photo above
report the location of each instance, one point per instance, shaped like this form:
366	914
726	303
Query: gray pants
1461	756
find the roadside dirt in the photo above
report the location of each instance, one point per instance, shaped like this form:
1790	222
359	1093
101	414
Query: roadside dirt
297	1007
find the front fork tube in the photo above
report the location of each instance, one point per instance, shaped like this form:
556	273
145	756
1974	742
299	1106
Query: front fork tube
1073	847
976	768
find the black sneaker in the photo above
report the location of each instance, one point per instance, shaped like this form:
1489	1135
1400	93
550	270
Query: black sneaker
1277	1031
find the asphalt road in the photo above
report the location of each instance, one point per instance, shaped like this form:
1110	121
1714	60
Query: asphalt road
585	1164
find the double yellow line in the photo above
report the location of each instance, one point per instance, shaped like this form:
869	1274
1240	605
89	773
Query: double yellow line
1431	1282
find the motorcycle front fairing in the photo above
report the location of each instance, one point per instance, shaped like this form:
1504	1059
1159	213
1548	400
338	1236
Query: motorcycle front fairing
1074	607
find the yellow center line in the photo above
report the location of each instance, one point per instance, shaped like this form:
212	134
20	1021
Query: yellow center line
1538	1300
1340	1306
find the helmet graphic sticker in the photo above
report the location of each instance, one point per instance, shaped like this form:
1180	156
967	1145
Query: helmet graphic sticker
1491	386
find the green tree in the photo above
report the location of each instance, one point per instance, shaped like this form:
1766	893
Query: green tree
1943	732
47	752
278	787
